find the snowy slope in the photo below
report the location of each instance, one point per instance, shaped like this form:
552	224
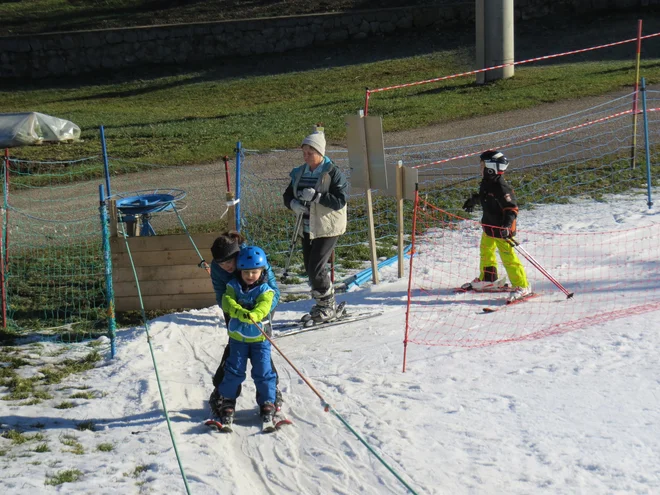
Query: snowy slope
572	413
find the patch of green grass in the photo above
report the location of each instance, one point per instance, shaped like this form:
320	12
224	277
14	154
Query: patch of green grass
83	395
42	395
76	387
68	439
72	441
292	280
18	438
20	388
293	297
137	471
12	362
105	447
57	352
65	405
55	374
42	447
15	436
32	301
86	425
77	449
68	476
351	264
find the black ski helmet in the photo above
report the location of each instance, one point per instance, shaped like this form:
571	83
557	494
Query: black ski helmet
495	162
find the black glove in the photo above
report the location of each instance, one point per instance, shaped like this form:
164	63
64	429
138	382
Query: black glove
506	233
470	203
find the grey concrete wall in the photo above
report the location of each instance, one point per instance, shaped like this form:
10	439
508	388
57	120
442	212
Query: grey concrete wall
72	53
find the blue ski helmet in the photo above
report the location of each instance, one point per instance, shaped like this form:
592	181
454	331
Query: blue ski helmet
251	257
495	162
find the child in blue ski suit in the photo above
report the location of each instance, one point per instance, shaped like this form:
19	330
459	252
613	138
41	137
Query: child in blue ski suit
225	250
248	298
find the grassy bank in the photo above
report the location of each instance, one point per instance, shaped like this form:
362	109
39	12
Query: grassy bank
192	115
192	119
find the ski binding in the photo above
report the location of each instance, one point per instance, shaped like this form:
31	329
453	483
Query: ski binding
285	330
223	426
273	423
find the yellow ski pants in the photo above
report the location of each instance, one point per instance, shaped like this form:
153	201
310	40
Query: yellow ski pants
514	268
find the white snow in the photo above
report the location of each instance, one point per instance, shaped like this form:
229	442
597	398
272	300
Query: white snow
574	413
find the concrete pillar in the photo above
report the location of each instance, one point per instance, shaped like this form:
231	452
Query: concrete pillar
494	30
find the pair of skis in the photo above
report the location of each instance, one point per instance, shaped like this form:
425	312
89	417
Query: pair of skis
306	324
493	309
269	423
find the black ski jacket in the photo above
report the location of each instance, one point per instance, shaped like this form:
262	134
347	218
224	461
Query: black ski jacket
499	205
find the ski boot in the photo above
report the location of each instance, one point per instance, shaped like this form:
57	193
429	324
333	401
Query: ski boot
268	411
227	410
278	400
518	294
324	310
215	402
490	282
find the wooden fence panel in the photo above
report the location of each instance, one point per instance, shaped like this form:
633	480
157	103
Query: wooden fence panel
168	272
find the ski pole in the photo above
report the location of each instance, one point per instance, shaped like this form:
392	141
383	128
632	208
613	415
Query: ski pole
538	266
294	240
327	407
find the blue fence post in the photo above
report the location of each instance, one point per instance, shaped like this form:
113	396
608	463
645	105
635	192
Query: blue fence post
4	255
649	202
109	291
238	186
106	166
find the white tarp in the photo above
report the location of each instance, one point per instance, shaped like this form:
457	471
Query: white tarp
24	129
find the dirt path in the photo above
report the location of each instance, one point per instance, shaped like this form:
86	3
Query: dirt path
508	120
266	173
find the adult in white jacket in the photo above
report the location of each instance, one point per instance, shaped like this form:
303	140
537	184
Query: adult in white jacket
318	192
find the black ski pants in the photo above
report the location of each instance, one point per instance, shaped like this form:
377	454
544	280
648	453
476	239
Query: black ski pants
316	253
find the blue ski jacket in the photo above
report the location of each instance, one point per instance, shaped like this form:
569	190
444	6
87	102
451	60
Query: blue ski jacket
244	304
220	278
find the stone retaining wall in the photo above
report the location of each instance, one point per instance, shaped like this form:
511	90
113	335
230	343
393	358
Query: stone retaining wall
72	53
